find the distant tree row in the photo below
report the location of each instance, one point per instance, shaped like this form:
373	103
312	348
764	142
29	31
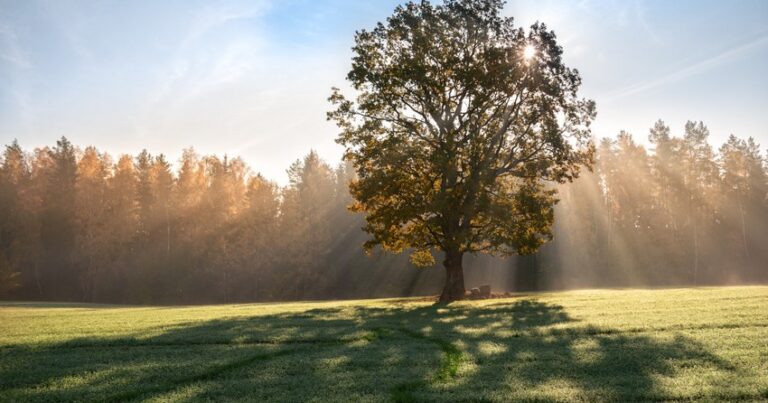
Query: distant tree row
75	224
679	213
78	225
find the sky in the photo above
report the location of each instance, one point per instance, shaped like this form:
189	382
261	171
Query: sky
251	78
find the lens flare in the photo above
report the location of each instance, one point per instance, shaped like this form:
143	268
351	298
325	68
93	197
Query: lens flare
529	52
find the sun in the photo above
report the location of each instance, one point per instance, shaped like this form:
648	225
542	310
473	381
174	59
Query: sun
529	52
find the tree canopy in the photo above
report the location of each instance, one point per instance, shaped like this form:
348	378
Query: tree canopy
459	123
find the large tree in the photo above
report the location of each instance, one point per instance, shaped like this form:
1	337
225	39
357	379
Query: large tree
460	121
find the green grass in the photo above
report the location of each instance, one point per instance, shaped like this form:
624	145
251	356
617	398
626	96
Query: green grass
624	345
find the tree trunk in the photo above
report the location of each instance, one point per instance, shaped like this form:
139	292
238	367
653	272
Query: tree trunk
454	279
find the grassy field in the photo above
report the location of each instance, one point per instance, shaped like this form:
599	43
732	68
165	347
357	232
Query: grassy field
679	344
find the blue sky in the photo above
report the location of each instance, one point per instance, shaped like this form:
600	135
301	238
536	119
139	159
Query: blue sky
251	78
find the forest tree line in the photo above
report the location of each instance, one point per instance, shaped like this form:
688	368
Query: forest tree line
79	225
678	213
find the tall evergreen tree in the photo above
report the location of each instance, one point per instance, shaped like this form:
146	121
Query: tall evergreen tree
91	220
15	220
57	226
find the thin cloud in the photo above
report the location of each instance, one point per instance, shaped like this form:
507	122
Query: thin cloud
10	49
640	14
213	16
197	68
684	73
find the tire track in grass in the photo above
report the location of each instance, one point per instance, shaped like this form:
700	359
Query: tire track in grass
217	370
211	373
404	392
449	367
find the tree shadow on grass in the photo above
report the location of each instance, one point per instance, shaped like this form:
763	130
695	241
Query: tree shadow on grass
519	350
